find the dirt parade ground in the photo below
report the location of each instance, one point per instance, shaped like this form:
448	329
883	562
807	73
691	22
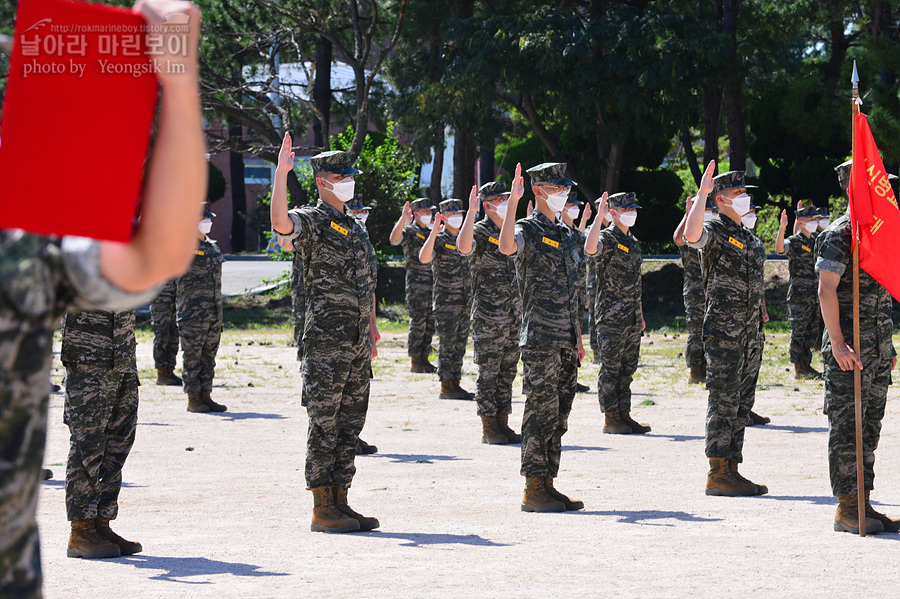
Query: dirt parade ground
219	500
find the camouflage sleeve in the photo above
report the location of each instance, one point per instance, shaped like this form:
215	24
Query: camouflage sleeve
299	232
832	257
520	241
81	259
700	243
787	245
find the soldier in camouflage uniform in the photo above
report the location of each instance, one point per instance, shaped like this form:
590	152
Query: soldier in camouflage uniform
567	217
298	302
802	298
199	307
42	277
452	297
620	321
550	336
694	300
340	334
592	292
98	351
496	312
411	231
876	360
733	260
165	335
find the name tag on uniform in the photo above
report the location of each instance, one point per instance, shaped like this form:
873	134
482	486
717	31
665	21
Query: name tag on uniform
420	236
806	248
623	248
339	228
735	243
199	252
494	241
449	247
550	242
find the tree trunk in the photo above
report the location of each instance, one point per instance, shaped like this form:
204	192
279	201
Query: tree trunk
711	98
434	188
322	94
362	112
614	166
463	164
238	195
737	129
688	144
486	163
297	196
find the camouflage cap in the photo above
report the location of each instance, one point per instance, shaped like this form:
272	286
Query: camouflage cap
843	171
494	188
625	200
730	180
808	212
452	205
422	204
823	212
335	161
550	172
573	199
356	203
207	213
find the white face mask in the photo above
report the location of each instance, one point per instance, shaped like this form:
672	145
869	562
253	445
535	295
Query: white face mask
741	204
362	216
749	220
426	220
824	222
811	226
572	212
455	221
627	219
343	190
501	209
205	226
709	215
557	201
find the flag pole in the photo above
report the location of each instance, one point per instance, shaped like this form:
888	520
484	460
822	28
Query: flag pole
857	375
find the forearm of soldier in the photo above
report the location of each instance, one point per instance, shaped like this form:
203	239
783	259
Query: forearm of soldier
164	242
828	302
678	235
397	231
693	226
427	251
508	245
466	233
278	210
779	241
593	236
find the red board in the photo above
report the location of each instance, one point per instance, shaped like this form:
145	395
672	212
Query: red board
76	122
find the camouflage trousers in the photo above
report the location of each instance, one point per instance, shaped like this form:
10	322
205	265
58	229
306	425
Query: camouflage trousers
732	368
452	326
693	353
804	320
421	321
497	355
841	412
101	411
592	327
620	348
336	395
165	327
23	434
549	377
200	344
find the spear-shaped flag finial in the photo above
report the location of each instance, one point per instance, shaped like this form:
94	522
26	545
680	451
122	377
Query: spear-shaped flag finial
855	78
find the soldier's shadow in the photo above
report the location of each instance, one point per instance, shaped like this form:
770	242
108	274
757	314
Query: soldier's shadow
422	539
178	568
402	458
647	517
677	438
234	416
792	429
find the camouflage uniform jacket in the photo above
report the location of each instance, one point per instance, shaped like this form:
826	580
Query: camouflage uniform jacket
417	274
338	274
200	288
733	260
581	282
547	270
100	338
875	325
618	287
452	280
693	278
496	294
801	255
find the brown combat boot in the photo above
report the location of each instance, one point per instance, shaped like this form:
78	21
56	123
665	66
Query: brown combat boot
452	390
537	499
206	398
503	424
614	425
803	371
846	518
571	504
363	448
84	541
166	376
760	489
420	364
125	547
491	433
636	427
196	403
723	481
340	502
890	524
697	375
466	395
756	419
326	516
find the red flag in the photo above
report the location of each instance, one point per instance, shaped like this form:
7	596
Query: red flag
874	211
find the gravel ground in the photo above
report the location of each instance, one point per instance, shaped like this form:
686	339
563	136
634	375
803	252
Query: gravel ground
220	505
